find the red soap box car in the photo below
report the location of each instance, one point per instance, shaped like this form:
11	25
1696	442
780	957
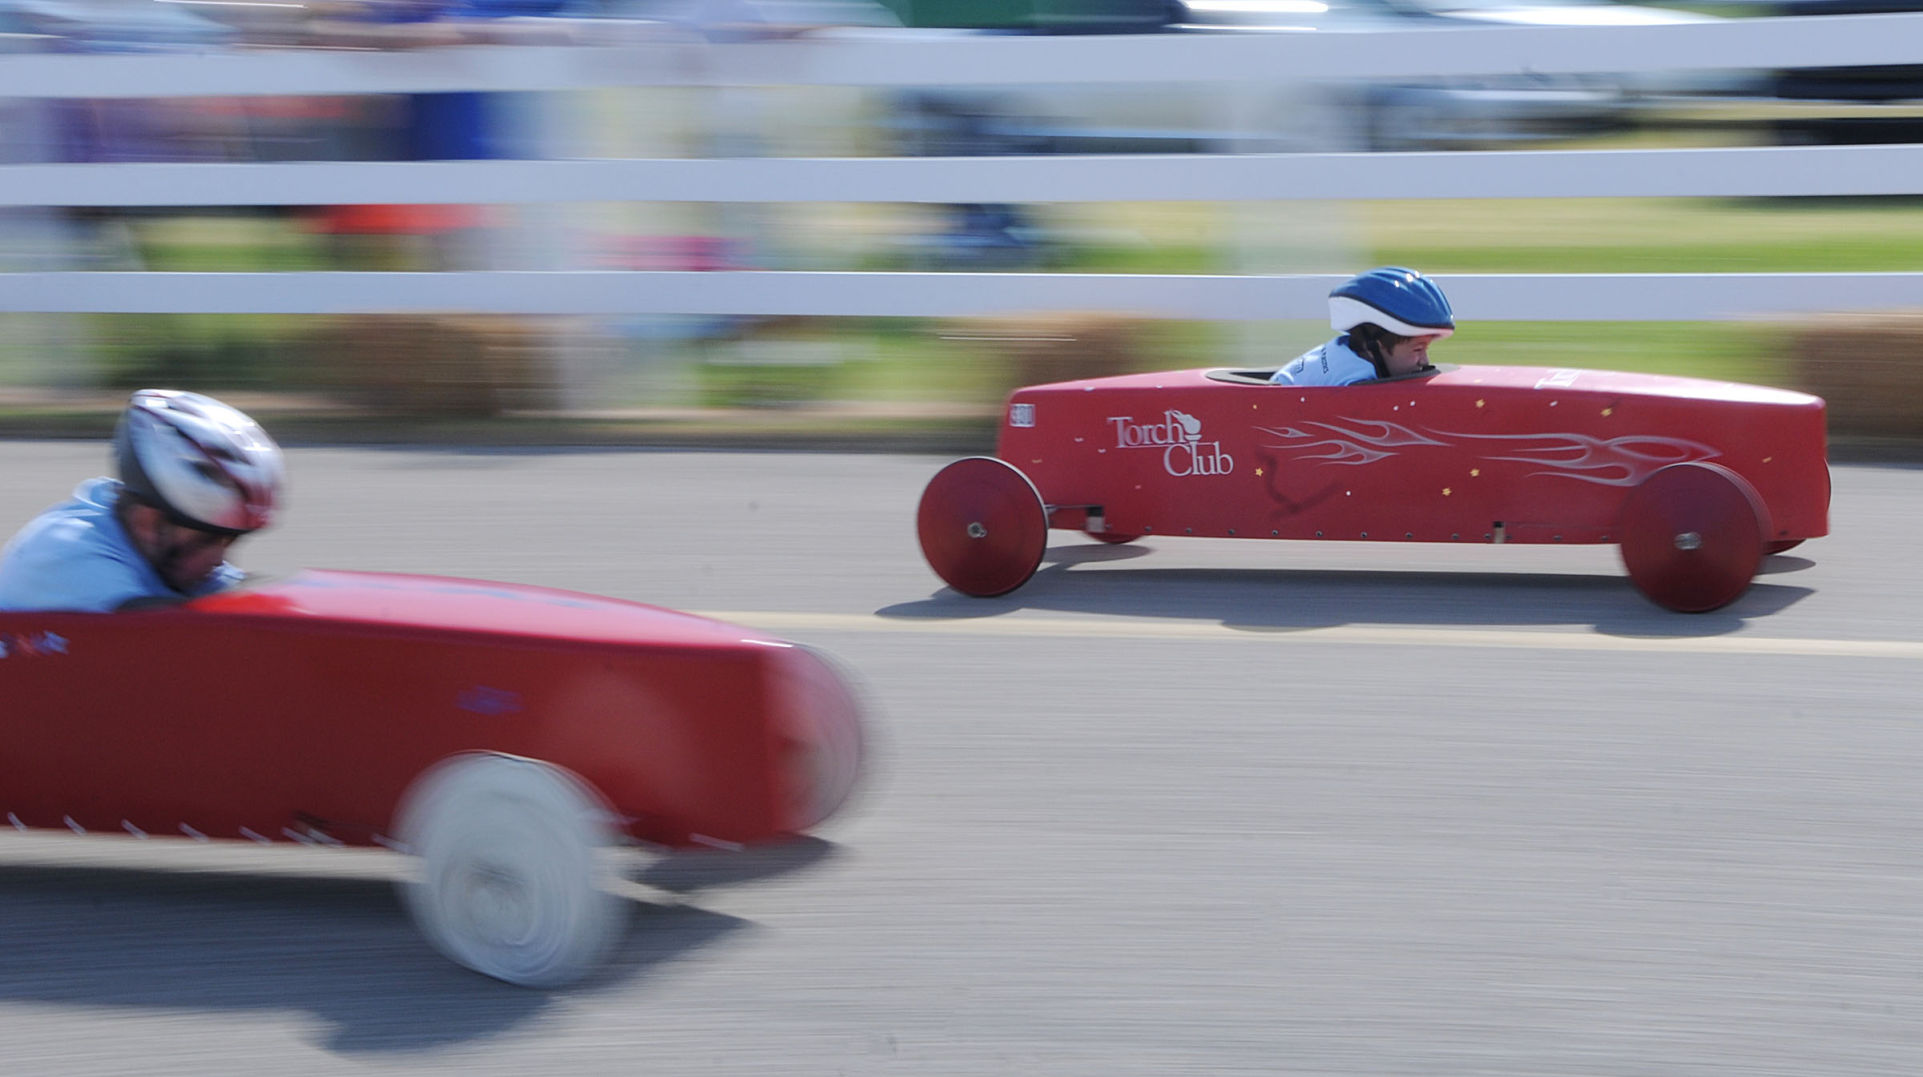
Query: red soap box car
501	733
1694	480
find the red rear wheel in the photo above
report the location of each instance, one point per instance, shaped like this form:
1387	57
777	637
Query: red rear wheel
1113	538
1782	545
983	527
1692	536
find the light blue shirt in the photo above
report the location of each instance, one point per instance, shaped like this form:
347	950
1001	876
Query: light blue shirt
77	556
1329	364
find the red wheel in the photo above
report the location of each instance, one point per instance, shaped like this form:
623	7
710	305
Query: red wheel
983	527
1692	536
1782	545
1113	538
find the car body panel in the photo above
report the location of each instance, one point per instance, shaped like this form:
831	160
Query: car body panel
1464	454
302	708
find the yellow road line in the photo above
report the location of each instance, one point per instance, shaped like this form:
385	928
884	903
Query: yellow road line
1173	629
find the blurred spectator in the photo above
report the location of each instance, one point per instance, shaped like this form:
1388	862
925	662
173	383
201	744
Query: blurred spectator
427	127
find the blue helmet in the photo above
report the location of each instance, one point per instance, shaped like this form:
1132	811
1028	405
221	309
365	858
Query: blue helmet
1400	300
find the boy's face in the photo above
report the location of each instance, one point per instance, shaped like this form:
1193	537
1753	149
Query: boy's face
1411	354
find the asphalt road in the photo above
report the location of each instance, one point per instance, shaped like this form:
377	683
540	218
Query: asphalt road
1185	806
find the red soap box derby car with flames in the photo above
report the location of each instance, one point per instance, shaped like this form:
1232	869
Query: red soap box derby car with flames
503	734
1694	480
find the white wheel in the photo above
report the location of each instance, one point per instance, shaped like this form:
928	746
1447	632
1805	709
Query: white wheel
508	878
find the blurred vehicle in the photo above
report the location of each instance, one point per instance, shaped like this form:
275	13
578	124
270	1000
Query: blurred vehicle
1441	113
1375	114
735	19
109	26
1871	98
1038	16
501	734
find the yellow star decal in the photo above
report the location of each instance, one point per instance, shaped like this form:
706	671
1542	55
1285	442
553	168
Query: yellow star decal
1258	472
1479	403
1474	471
1445	491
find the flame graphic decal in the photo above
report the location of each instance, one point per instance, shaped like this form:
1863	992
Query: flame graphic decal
1344	445
1619	461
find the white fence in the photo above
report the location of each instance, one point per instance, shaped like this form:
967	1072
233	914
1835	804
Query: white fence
909	59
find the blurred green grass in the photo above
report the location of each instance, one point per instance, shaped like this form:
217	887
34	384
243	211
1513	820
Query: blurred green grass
1808	235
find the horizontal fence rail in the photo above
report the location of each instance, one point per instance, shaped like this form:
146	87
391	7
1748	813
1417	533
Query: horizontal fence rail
1746	172
929	58
1230	62
1476	297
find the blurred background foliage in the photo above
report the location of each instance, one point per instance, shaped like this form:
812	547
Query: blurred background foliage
801	362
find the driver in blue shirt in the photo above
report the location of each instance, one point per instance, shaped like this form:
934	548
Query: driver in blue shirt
1387	318
195	475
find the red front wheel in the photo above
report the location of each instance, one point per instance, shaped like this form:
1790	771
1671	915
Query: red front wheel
983	526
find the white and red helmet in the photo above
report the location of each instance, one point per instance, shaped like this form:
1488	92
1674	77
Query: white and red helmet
201	462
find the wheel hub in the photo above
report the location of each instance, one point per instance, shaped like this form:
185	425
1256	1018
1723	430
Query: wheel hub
499	905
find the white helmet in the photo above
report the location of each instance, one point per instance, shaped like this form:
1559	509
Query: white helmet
204	464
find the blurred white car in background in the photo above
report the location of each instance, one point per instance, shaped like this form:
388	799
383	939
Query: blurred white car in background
1878	104
1469	111
1394	114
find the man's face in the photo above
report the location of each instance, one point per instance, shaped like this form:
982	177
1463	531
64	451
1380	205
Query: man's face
183	556
1411	355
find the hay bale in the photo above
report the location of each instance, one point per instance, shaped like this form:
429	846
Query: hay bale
435	366
1869	368
1058	347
